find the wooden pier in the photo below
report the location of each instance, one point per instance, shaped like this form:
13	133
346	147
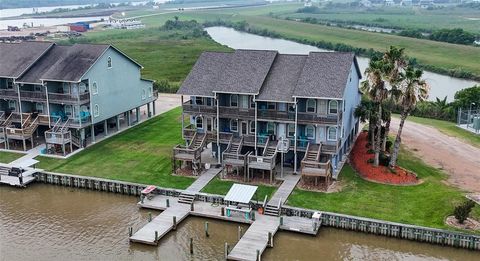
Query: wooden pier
256	239
158	227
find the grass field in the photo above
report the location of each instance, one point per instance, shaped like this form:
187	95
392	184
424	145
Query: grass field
165	55
7	157
426	204
448	128
439	54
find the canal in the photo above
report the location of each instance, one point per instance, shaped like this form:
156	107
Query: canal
441	85
45	222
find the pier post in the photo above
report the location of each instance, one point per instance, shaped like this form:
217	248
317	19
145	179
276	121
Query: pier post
281	221
142	198
253	215
192	208
226	250
149	216
206	229
130	231
270	239
174	223
191	245
223	211
239	233
156	236
168	203
258	255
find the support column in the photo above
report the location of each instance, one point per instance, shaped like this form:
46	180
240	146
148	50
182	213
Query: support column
117	120
105	126
129	123
148	111
137	114
93	133
219	158
154	109
295	139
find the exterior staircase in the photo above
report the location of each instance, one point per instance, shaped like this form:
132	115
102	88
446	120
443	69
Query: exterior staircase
313	152
186	198
198	141
272	210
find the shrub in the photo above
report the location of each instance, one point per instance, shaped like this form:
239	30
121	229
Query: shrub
462	211
388	145
384	159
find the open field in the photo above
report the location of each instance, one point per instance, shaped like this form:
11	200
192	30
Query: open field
438	54
448	128
426	204
165	55
7	157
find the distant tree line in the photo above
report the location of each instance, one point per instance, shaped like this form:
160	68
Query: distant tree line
440	109
38	3
340	47
190	28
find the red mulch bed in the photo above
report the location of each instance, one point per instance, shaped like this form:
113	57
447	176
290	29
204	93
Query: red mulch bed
359	157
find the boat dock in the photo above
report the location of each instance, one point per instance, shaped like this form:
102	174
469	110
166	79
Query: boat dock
16	176
173	214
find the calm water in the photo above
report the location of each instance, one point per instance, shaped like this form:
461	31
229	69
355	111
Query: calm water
441	85
45	222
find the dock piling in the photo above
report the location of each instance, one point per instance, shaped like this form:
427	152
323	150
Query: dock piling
258	255
192	208
168	203
149	216
130	231
174	223
223	211
206	229
281	221
156	236
239	233
270	239
191	245
226	250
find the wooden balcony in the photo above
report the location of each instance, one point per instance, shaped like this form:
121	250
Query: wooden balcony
63	98
40	96
224	111
58	137
11	94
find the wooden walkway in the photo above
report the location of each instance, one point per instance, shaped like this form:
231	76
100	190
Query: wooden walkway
282	193
163	223
255	238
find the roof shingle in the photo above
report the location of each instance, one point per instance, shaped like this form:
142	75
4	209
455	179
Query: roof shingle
15	58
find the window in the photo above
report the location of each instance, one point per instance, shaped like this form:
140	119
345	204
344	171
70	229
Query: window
209	124
270	128
150	91
209	101
109	62
198	100
332	133
271	106
9	83
39	107
234	100
311	105
291	108
252	127
94	88
291	130
12	105
252	103
234	125
96	111
199	122
310	132
144	94
333	107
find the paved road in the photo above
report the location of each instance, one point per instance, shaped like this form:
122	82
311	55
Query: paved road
459	159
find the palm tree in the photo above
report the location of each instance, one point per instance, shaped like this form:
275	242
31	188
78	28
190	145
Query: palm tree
414	89
366	112
395	63
374	87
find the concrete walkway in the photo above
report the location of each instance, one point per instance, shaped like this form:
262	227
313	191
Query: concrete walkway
282	193
30	154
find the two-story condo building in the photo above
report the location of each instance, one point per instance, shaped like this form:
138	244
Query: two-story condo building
66	96
252	105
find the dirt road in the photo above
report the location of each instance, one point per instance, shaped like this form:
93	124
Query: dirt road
459	159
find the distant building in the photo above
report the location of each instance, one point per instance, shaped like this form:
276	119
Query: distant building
125	23
389	3
307	3
366	3
65	96
406	3
425	3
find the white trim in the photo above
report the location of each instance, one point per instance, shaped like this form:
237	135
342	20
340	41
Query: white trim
318	98
241	93
238	100
94	90
306	127
196	122
250	127
288	131
109	60
329	105
276	101
314	106
96	110
328	133
144	94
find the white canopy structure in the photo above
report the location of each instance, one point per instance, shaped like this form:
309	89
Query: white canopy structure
241	193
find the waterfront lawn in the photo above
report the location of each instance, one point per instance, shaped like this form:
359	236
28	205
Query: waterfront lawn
449	128
141	154
221	187
7	157
426	204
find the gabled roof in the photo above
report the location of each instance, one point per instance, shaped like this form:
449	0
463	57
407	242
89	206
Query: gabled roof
271	76
283	76
33	75
246	71
73	64
15	58
203	77
325	75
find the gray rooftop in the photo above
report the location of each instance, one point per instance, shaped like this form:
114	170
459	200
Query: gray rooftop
273	76
325	75
75	62
35	73
241	193
15	58
282	78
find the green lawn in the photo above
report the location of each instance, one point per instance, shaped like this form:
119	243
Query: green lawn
221	187
426	204
7	157
141	154
448	128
